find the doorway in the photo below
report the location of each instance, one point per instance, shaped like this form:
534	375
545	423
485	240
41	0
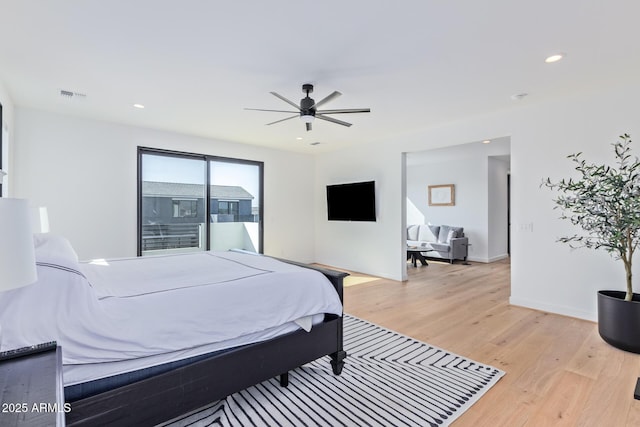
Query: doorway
480	173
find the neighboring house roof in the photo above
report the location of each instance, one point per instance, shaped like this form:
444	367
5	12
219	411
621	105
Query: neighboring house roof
178	189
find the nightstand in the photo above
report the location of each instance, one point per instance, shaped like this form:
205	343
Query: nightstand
31	387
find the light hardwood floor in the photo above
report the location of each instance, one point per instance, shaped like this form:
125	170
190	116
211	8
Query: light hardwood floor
559	372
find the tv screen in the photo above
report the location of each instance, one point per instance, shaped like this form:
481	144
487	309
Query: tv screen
352	202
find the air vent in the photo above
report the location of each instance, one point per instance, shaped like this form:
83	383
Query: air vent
67	94
519	96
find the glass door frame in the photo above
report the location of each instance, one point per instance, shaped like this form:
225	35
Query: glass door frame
207	159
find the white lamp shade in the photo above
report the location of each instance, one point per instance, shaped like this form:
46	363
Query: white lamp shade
17	257
39	220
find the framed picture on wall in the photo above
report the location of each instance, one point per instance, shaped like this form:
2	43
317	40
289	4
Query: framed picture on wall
442	195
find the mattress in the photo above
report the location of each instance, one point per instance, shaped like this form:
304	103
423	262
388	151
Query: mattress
136	312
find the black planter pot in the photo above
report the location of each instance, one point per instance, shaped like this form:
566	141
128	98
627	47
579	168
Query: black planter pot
619	320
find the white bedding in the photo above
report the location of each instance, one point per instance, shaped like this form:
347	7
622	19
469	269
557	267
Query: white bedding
138	276
98	315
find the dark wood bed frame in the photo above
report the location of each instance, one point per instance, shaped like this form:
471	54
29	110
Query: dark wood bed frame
171	394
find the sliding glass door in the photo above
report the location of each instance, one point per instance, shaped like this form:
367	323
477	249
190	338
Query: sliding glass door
189	202
236	214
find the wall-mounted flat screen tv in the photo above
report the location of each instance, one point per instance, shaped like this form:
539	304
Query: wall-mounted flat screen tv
354	201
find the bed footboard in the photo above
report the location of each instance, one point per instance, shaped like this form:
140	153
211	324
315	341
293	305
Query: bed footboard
337	280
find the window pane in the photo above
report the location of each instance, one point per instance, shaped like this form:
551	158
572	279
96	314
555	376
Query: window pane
173	210
235	206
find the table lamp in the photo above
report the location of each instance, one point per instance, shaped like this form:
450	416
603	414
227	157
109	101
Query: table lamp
17	254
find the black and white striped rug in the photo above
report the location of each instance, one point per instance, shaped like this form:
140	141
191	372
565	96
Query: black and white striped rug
388	380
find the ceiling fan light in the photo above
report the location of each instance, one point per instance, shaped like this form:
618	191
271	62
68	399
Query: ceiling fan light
307	118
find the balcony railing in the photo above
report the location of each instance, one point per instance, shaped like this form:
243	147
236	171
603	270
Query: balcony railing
170	236
234	218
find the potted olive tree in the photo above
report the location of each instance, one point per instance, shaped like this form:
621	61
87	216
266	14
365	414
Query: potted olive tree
604	201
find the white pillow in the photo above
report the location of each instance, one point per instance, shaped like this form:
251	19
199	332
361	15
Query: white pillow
412	232
426	234
50	248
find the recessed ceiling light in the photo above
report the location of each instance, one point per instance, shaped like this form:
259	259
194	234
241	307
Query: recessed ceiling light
299	138
554	58
138	106
486	141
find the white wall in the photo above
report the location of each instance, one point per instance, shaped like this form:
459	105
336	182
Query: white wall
470	209
362	246
545	274
84	171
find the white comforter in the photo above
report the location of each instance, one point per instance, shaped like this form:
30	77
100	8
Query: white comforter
131	308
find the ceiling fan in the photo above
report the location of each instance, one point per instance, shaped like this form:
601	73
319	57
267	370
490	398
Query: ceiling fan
308	108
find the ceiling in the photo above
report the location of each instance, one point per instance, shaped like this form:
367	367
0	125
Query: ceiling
497	148
196	64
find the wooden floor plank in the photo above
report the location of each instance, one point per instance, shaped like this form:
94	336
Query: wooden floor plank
565	402
558	370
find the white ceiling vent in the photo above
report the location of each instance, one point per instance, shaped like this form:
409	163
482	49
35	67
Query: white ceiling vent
67	94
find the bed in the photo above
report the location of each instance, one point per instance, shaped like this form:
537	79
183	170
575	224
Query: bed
145	340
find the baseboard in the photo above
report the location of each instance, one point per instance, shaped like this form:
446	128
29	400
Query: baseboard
488	260
474	259
553	308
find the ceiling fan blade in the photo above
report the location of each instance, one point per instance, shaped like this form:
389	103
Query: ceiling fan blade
345	110
332	120
282	120
308	126
285	100
330	97
275	111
